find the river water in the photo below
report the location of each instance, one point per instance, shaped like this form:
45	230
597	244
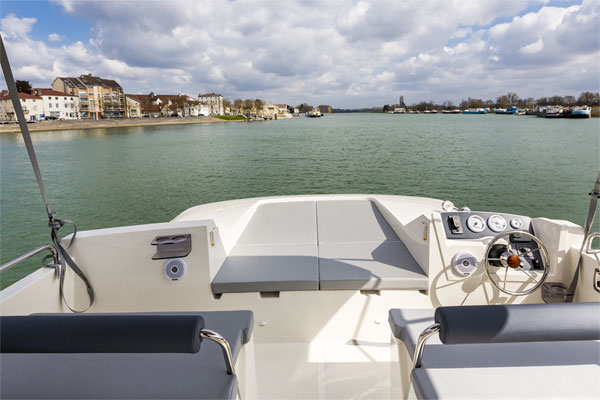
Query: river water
122	176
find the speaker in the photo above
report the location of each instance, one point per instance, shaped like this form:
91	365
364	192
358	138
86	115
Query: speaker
175	269
464	263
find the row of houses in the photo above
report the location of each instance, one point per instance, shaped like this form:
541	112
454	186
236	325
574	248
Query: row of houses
91	97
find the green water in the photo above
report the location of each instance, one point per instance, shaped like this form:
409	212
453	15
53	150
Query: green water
113	177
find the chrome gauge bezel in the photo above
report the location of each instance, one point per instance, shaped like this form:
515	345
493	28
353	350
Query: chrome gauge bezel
493	220
473	228
516	223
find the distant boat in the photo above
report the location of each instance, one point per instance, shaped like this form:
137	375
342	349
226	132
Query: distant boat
511	110
579	112
314	114
450	111
554	112
399	110
475	111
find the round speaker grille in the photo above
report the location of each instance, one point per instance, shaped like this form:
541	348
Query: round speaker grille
464	263
175	269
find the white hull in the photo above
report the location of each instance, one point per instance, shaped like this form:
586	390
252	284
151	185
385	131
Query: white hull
308	343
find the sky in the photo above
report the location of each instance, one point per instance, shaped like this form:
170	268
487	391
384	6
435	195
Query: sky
348	54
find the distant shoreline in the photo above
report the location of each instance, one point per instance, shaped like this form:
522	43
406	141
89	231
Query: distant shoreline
108	123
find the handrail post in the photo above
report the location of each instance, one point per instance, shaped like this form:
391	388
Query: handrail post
426	334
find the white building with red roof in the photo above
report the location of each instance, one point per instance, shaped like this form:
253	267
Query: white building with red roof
59	105
33	107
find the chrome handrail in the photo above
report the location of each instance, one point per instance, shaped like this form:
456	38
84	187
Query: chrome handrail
587	244
31	254
426	334
221	341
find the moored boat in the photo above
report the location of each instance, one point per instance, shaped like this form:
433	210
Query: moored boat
554	112
511	110
475	111
579	112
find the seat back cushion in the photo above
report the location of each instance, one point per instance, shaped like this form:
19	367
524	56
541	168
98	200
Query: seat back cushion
519	323
101	333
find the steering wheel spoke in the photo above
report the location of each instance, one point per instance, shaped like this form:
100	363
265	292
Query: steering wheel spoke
508	261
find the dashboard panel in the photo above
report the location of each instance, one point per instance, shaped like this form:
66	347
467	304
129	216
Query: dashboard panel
478	224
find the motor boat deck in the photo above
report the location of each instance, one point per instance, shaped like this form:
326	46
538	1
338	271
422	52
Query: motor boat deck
320	296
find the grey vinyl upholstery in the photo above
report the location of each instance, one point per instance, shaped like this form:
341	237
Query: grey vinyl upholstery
131	376
268	268
565	369
327	245
505	323
104	333
277	251
359	250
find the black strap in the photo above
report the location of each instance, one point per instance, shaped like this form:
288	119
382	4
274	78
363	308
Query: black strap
594	196
54	223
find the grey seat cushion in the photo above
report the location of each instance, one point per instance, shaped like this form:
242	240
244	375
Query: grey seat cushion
352	221
357	249
567	369
267	268
202	375
282	223
369	266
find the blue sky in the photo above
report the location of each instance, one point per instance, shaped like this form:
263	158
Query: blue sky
51	18
348	54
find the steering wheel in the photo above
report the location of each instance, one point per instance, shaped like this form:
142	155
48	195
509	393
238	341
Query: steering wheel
501	257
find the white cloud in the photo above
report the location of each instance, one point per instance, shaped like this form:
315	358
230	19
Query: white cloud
356	54
55	37
534	47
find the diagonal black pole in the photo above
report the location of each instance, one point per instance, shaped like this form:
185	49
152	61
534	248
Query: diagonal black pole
54	223
14	96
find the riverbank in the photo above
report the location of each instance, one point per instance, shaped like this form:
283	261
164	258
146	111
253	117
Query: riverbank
55	125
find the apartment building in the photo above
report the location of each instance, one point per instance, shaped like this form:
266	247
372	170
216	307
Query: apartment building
213	101
57	104
98	97
133	106
33	107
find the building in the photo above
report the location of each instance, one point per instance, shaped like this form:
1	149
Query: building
33	107
133	106
166	105
324	109
98	97
58	105
214	102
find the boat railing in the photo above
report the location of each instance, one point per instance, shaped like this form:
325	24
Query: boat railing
55	260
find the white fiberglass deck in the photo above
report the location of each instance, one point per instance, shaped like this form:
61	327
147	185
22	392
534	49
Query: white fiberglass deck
317	342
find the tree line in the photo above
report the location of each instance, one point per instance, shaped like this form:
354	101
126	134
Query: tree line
510	99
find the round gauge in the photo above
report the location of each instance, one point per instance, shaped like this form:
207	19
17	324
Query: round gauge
448	206
516	223
497	223
475	223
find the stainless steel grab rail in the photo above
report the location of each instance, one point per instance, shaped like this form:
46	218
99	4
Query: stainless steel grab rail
426	334
587	244
31	254
226	349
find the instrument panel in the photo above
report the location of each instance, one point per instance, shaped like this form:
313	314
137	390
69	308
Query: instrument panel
476	224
